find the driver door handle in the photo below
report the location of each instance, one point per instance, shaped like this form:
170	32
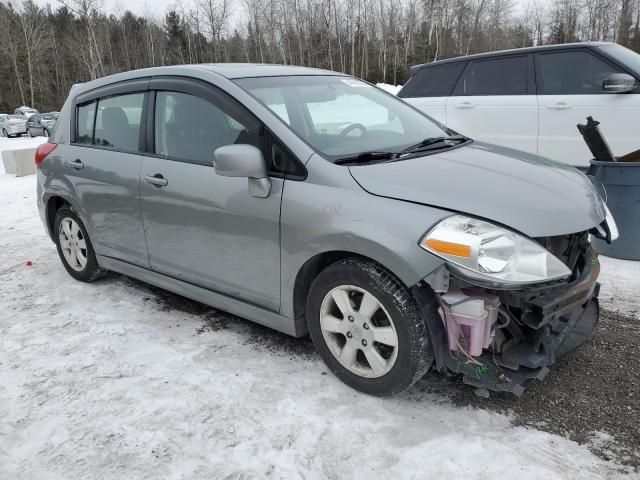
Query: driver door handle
156	180
465	105
559	106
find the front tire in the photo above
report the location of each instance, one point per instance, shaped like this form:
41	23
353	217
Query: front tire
367	327
74	246
45	132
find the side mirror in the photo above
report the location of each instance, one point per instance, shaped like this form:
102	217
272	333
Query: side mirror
619	83
244	161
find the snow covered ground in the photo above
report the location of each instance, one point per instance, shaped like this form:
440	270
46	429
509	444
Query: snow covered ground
120	380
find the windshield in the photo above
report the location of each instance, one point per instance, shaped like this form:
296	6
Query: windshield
342	116
623	55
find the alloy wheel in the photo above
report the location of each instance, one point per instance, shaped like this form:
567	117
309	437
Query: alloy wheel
359	331
73	244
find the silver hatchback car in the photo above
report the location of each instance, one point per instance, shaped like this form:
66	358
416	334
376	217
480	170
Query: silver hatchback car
312	202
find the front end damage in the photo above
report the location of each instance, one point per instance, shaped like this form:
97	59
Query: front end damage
499	338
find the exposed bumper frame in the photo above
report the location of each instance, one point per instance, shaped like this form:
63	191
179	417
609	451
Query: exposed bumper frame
570	315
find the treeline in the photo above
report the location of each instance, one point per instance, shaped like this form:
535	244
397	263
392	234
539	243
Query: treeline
45	50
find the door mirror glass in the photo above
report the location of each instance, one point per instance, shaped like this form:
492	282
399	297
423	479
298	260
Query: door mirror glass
619	83
243	160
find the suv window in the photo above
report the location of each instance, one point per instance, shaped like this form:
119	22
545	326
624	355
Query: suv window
191	128
118	121
436	81
84	123
573	73
496	76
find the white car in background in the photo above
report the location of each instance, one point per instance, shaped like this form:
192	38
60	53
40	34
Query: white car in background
531	99
25	111
12	125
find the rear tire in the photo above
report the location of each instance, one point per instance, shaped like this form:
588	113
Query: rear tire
4	133
74	246
356	305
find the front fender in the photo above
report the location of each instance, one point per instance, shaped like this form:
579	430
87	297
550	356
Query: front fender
317	218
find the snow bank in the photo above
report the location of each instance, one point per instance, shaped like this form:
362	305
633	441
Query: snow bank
389	88
119	380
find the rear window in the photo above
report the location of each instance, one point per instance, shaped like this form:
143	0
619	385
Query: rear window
84	123
497	76
436	81
111	122
118	121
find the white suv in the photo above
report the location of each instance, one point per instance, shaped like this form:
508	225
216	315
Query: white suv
532	98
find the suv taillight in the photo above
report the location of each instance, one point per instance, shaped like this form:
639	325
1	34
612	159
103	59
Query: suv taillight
43	150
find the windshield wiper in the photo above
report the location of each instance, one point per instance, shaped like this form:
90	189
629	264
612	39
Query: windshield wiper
429	141
365	157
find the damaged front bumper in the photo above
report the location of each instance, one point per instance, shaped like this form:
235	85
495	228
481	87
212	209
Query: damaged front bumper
537	326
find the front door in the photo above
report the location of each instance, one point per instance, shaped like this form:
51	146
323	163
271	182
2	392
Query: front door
570	90
203	228
103	164
494	102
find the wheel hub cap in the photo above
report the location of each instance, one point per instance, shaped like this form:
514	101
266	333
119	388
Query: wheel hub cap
73	244
359	331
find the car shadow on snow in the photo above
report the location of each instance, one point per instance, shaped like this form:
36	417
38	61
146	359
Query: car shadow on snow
594	389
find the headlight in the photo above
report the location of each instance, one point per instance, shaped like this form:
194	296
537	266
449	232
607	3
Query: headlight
486	251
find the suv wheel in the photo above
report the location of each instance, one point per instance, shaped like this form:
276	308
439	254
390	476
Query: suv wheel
368	328
45	132
74	246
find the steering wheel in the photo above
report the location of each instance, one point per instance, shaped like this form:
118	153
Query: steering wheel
354	126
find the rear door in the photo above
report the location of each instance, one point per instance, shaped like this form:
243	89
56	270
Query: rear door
103	163
428	89
494	101
201	227
569	90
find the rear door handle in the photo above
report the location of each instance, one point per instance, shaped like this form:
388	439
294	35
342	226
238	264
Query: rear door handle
559	106
156	180
465	105
77	164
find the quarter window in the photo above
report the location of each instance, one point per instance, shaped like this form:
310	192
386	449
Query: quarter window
84	120
118	121
573	73
497	76
190	128
435	81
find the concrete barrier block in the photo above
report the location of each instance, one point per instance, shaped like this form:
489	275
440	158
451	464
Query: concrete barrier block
9	162
24	159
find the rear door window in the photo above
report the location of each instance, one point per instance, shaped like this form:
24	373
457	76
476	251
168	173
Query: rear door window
118	121
436	81
496	76
573	73
85	118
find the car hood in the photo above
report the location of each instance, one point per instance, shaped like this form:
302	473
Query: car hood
528	193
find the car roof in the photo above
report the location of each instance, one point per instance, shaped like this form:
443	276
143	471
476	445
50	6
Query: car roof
244	70
498	53
228	71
